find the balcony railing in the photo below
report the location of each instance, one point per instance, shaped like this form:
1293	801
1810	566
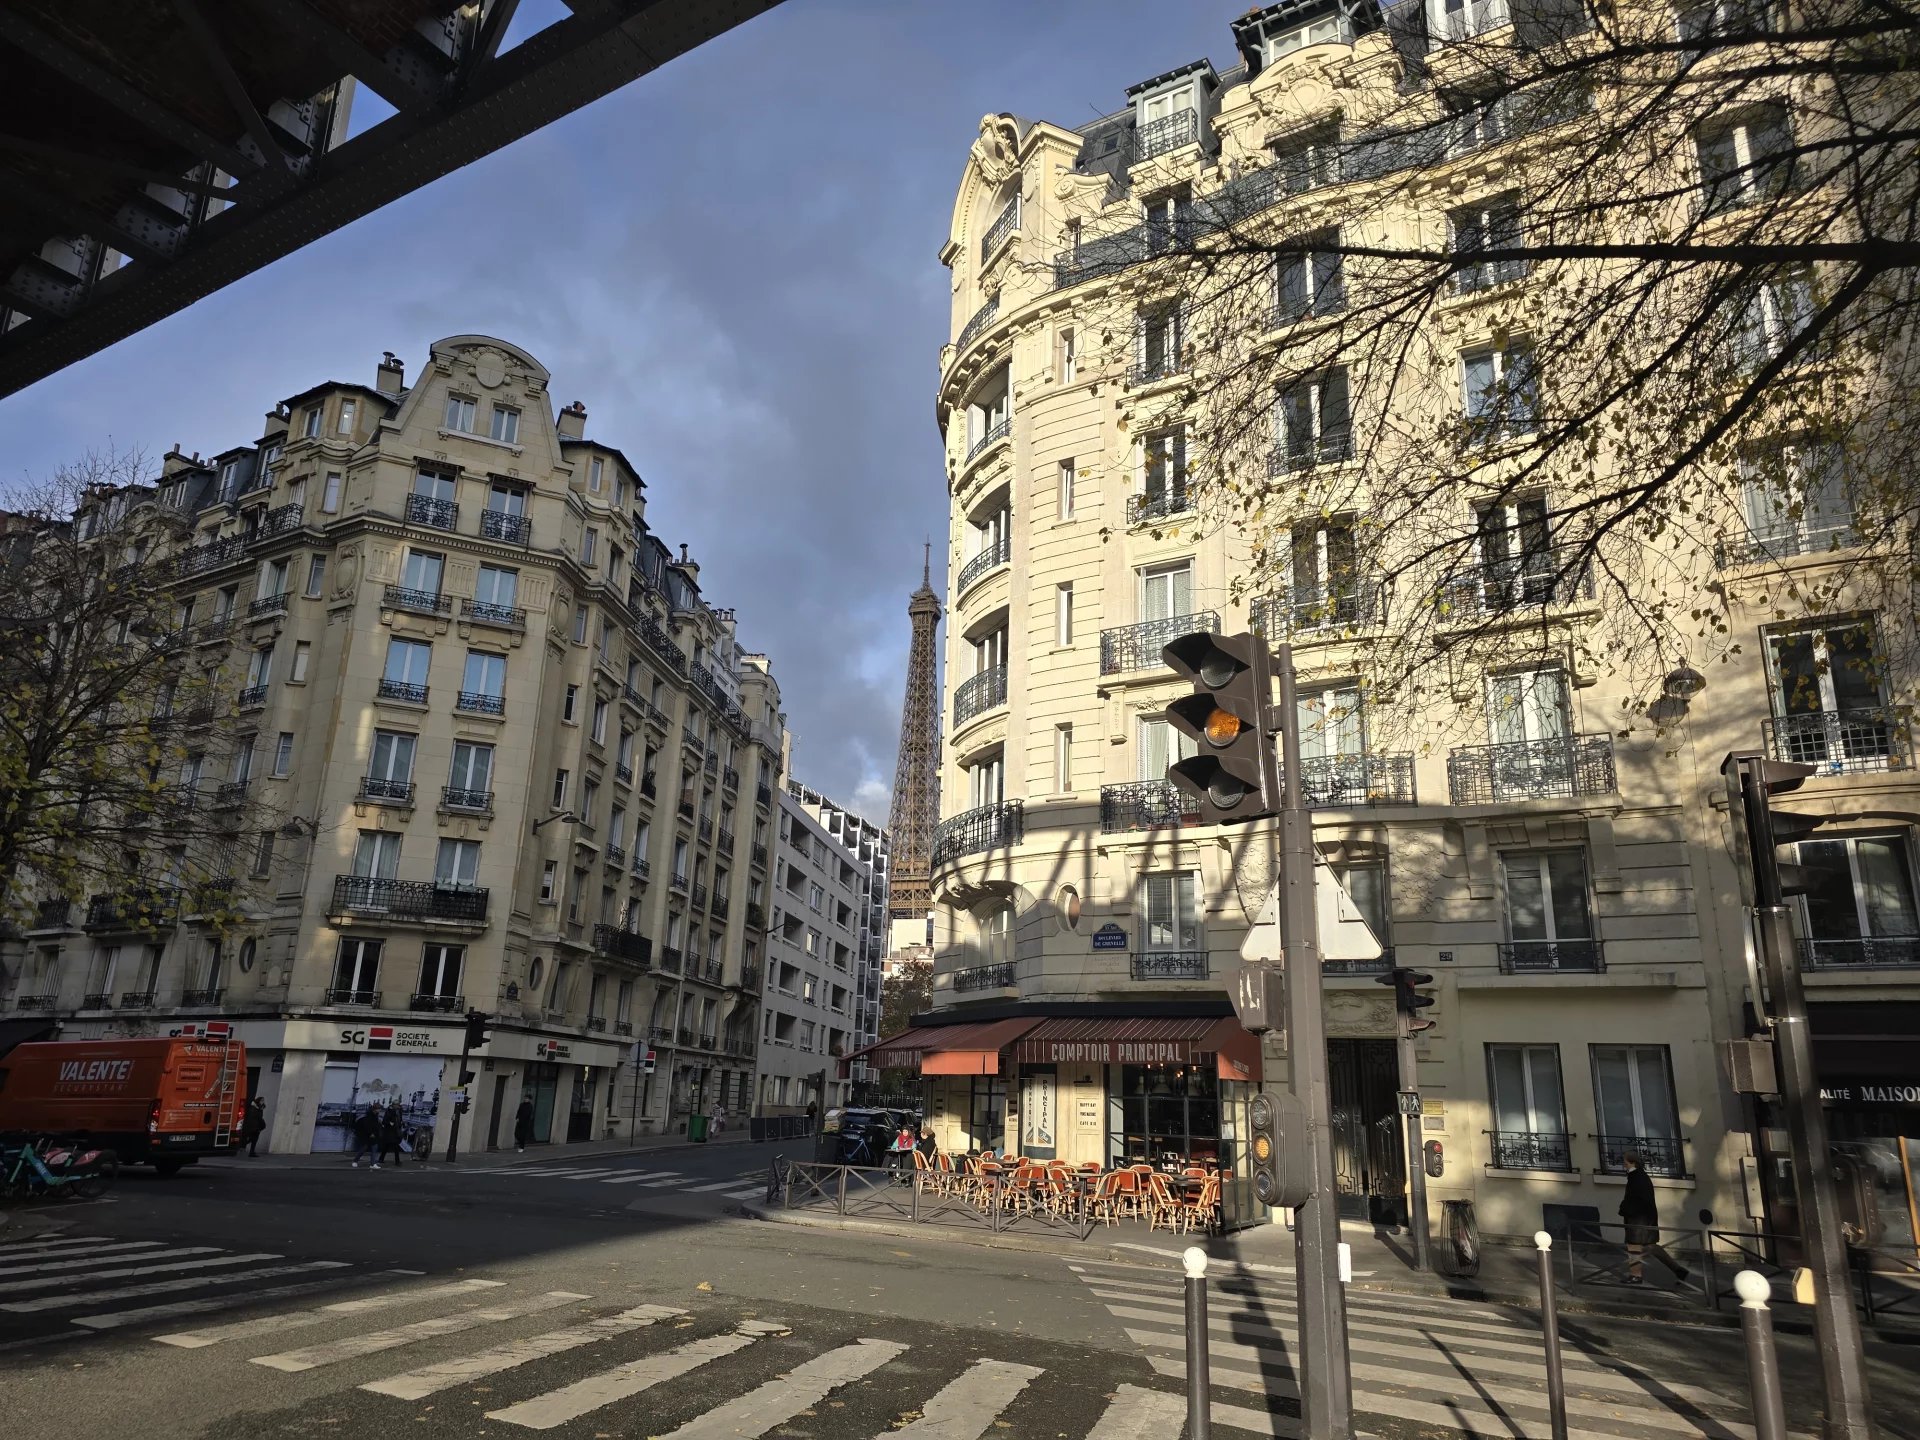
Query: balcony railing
670	958
993	433
440	514
409	899
210	556
1865	952
1143	508
596	1022
1562	766
267	605
475	702
98	1000
479	802
1162	367
1145	805
252	697
724	841
763	795
758	854
985	563
1306	451
230	793
618	944
979	694
1786	540
136	1000
274	523
440	1004
418	602
51	915
339	995
1340	782
190	998
134	910
1545	577
1347	604
391	792
498	525
1844	742
977	321
1138	647
642	867
1004	224
756	916
699	895
662	644
986	828
35	1002
623	1027
1530	1150
1546	957
1169	965
998	976
488	613
730	777
616	853
401	690
1169	132
749	977
1663	1155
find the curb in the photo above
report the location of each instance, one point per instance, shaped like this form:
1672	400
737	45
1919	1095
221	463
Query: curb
16	1226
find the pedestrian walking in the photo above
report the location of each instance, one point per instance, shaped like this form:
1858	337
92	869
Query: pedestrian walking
523	1124
251	1126
390	1135
366	1137
1640	1214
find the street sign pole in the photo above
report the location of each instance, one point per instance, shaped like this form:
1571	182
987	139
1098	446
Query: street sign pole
1326	1382
1410	1110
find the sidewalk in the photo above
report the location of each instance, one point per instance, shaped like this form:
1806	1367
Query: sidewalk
489	1160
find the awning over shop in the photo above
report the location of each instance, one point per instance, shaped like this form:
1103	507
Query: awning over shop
966	1049
1143	1040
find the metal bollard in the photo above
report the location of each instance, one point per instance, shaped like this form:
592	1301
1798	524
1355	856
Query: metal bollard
1763	1369
1199	1378
1550	1332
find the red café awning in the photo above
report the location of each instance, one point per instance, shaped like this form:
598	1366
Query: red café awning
1144	1040
971	1048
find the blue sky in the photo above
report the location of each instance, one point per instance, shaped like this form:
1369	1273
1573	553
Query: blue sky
732	264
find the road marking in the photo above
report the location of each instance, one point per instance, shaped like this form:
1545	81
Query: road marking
657	1181
1283	1427
299	1319
101	1257
557	1407
429	1379
1374	1321
12	1287
1174	1255
752	1192
161	1287
718	1185
117	1319
972	1401
1136	1413
785	1396
29	1249
373	1341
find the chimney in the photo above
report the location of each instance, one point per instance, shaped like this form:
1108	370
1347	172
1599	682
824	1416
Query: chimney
572	422
686	565
390	375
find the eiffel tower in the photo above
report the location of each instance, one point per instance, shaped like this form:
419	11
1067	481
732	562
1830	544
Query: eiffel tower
916	773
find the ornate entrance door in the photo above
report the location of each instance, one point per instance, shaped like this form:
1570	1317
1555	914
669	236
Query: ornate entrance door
1368	1165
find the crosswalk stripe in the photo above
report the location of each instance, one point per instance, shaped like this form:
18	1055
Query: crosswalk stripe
625	1179
1280	1427
751	1193
14	1287
1136	1413
969	1403
429	1379
30	1248
557	1407
115	1320
300	1319
588	1174
160	1287
373	1341
717	1185
102	1256
751	1415
658	1182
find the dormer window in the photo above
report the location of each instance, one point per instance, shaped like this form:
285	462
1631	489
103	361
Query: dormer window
1284	39
1450	21
1166	119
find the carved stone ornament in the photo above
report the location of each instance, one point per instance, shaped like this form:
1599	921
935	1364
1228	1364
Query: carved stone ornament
996	154
1354	1014
490	369
346	572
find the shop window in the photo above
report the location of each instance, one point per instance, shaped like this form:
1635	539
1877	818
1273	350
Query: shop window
1164	1114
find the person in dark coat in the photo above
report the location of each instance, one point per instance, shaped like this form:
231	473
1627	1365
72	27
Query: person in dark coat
389	1135
252	1124
928	1146
1640	1214
523	1123
366	1137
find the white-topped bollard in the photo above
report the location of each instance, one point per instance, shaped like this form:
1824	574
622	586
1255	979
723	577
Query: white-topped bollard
1199	1379
1763	1368
1550	1335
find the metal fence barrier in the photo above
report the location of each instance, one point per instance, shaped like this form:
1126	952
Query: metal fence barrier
996	1204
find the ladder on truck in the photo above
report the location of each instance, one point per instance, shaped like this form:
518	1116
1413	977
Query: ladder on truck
227	1086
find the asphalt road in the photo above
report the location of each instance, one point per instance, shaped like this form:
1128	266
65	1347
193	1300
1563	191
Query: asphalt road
623	1295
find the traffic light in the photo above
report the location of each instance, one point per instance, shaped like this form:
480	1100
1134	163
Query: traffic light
1759	830
477	1021
1407	999
1280	1150
1233	775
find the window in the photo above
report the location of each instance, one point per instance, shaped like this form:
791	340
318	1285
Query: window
263	855
1062	759
599	729
392	756
679	862
988	413
349	409
283	753
440	972
1714	19
549	881
1063	613
316	576
485	675
1168	920
990	652
1633	1095
617	828
1166	591
1478	121
310	423
1311	281
580	624
506	424
1548	920
1529	1108
1163	471
596	474
1858	909
1322	579
1306	162
1795	499
302	653
1157	344
1278	42
1329	721
1745	158
589	545
1769	317
1827	703
1159	746
356	972
458	864
1528	706
376	855
1069	356
422	571
330	493
297	492
260	667
1067	478
1311	424
987	780
460	413
272	580
224	600
570	705
560	779
589	801
1499	389
1476	229
497	589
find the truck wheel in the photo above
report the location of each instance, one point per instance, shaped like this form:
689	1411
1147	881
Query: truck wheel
166	1169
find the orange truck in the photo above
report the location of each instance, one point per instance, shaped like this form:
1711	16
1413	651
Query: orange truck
163	1102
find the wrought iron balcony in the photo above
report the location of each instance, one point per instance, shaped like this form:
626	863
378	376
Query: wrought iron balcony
979	694
1562	766
401	690
99	1000
486	612
758	854
35	1002
706	827
418	602
1864	952
699	896
724	841
1476	275
480	802
499	525
756	916
283	520
209	632
267	605
994	433
1169	965
720	908
998	976
138	909
51	915
1138	647
425	510
1003	226
475	702
1663	1155
1788	539
763	795
1145	805
340	996
1142	508
984	564
623	773
1165	367
385	791
1341	782
596	1022
977	321
1169	132
1344	605
730	777
252	697
987	828
618	944
623	1027
440	1004
670	958
658	641
749	977
211	556
1545	577
686	1036
710	971
192	998
1547	957
409	899
1303	453
616	853
136	1000
1530	1150
1844	742
230	793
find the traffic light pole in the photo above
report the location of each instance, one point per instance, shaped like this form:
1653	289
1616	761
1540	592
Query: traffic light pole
1416	1170
1326	1381
1836	1326
453	1128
